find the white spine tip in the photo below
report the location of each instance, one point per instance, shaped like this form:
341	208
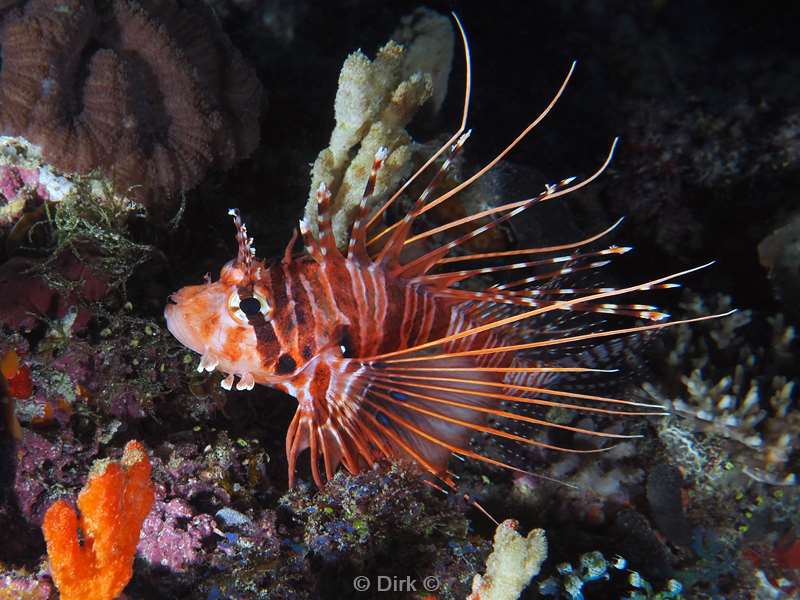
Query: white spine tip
382	153
232	212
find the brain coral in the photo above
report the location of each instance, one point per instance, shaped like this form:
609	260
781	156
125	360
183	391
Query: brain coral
151	93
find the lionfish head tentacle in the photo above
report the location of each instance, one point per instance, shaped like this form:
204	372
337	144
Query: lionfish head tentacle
246	250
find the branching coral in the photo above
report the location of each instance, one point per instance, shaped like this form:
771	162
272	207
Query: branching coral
739	387
374	103
152	93
113	506
512	563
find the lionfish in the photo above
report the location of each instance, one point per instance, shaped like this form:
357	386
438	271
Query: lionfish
391	357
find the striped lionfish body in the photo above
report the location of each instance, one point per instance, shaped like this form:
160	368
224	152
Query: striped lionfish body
390	357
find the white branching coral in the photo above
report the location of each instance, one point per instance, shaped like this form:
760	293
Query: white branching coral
512	564
375	101
737	388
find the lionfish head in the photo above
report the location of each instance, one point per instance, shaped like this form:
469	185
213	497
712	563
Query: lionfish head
217	318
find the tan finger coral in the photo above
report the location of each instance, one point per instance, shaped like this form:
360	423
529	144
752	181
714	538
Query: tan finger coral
511	565
374	103
150	93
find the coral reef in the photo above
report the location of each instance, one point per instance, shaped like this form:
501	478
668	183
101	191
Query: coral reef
168	544
133	89
594	571
21	585
113	505
706	168
369	522
740	390
67	255
43	467
374	103
732	389
514	561
26	181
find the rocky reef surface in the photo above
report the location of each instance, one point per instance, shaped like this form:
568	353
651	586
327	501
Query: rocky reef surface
704	98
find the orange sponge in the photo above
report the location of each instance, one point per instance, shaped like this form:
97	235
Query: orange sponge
113	506
16	375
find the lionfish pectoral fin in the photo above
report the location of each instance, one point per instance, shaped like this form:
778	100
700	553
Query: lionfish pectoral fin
351	426
331	440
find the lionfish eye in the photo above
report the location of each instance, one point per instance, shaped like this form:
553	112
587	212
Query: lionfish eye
250	306
243	308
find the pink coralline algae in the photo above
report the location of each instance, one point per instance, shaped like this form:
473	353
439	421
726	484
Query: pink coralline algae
150	93
19	585
168	542
44	466
19	188
14	179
